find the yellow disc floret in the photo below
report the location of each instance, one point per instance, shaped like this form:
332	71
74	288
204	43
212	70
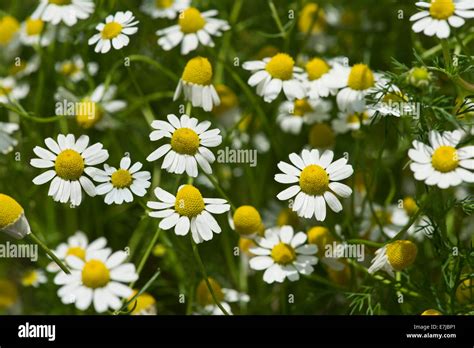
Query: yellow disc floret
95	274
301	107
189	201
121	178
247	220
163	3
8	28
401	254
143	303
191	20
34	26
314	180
111	30
410	206
10	211
320	236
445	159
185	141
316	68
204	296
281	66
77	252
312	19
198	71
89	114
321	136
68	69
29	278
360	77
69	165
442	9
283	253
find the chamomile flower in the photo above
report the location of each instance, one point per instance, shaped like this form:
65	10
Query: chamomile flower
144	304
32	33
12	218
70	160
283	254
10	90
193	28
246	221
118	184
74	69
114	32
360	81
196	84
271	75
97	279
351	121
419	77
164	8
395	256
439	15
292	115
322	78
6	141
391	101
9	30
225	296
312	19
67	11
315	182
188	146
33	278
441	163
77	245
188	210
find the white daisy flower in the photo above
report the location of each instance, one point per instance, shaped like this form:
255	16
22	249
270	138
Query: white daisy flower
315	179
188	147
283	254
114	33
95	108
395	256
77	245
323	78
164	8
271	75
193	28
32	33
34	278
12	218
292	115
97	279
196	84
439	15
67	11
225	296
10	90
360	81
351	121
118	184
70	160
6	141
188	211
75	69
441	163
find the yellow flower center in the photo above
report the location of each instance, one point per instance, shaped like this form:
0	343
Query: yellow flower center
283	253
320	236
185	141
69	68
198	71
34	26
321	136
419	74
281	66
60	2
316	68
10	211
89	114
287	217
163	3
228	99
8	294
191	21
445	159
111	30
204	296
431	312
301	107
29	278
8	28
121	178
247	220
442	9
142	303
401	254
311	19
410	206
95	274
69	165
5	90
314	180
360	77
78	252
189	201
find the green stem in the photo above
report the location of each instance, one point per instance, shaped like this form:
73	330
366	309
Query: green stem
49	252
148	250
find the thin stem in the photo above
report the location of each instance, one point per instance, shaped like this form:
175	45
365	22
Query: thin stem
49	252
148	250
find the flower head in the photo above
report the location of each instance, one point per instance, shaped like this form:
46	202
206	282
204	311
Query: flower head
67	11
164	8
395	256
33	278
247	221
12	218
144	304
